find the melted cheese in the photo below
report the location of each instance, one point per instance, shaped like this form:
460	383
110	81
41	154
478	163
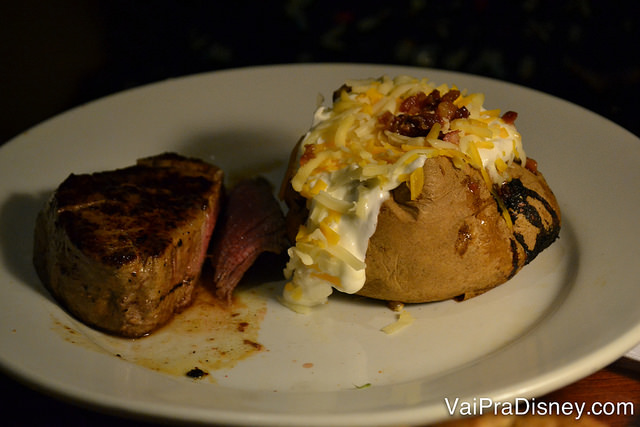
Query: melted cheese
348	165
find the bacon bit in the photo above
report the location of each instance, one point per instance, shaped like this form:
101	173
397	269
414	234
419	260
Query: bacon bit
462	113
531	165
452	137
451	96
509	117
309	153
386	119
432	100
415	125
413	104
446	110
420	112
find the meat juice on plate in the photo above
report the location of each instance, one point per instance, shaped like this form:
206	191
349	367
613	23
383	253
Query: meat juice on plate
206	337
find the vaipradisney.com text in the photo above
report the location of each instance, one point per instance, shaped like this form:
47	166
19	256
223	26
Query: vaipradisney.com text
523	406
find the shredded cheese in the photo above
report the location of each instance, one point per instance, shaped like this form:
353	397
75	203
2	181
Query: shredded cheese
404	319
416	182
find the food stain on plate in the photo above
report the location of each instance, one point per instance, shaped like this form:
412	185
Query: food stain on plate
205	337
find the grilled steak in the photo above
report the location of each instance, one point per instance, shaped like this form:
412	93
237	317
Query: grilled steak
121	249
251	222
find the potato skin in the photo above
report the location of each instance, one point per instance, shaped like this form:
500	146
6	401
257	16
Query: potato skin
533	209
452	241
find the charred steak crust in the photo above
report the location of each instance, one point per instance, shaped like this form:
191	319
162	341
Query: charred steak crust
121	249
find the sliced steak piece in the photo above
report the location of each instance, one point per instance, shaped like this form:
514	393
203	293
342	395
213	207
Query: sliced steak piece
121	250
251	222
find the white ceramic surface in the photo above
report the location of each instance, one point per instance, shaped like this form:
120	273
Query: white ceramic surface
569	313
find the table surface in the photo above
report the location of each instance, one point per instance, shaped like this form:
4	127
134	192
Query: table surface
618	382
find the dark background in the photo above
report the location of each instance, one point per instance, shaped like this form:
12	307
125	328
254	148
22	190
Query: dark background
60	53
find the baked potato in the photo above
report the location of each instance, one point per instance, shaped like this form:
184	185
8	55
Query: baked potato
444	222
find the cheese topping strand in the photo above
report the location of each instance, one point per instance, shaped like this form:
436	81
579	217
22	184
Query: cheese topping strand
371	140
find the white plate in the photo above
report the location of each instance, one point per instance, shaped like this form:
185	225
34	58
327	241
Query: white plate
569	313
